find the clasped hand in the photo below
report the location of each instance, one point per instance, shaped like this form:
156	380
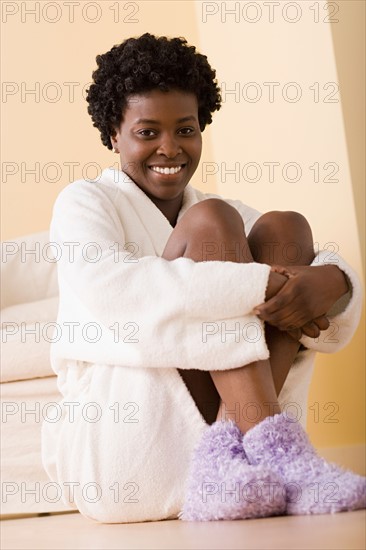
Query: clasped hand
301	304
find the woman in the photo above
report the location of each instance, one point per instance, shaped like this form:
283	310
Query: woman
183	317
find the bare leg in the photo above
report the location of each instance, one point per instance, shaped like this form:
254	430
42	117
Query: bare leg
283	238
215	222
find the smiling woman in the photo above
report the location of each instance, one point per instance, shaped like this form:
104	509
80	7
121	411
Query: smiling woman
219	321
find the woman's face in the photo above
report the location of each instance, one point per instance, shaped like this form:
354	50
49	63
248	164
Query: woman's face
160	131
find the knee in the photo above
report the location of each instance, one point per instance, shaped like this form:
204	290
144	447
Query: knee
289	225
214	213
283	230
279	220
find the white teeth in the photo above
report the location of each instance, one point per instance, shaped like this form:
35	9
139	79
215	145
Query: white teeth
163	170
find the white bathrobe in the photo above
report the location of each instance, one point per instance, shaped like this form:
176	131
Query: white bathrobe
120	444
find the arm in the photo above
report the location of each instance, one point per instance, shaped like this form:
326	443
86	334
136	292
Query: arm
335	291
344	314
330	289
171	302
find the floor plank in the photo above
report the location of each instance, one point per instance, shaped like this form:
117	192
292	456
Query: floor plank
341	531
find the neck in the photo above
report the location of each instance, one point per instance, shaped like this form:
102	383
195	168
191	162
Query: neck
170	208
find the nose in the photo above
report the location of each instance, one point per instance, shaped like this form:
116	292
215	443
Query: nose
169	146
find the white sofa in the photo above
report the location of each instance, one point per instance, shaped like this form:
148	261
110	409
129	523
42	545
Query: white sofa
29	303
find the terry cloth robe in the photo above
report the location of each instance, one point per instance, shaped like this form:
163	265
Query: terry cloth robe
118	446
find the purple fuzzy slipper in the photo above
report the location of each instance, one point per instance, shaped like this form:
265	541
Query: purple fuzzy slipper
223	486
313	485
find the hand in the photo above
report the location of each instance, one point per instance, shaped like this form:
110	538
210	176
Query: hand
311	329
307	295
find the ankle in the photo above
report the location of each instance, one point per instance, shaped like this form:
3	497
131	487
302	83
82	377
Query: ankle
243	420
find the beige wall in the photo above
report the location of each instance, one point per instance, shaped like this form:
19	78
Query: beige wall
318	129
349	50
53	127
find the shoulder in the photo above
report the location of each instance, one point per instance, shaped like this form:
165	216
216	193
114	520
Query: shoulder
85	192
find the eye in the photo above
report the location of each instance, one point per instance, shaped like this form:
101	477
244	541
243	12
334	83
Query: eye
146	133
187	131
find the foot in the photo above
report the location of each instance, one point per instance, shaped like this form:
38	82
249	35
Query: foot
223	486
313	485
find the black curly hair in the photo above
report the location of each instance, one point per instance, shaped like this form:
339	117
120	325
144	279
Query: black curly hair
145	63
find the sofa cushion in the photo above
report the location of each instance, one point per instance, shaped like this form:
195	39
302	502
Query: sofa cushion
26	335
28	269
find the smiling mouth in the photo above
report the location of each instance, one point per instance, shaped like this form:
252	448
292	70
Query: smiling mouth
166	170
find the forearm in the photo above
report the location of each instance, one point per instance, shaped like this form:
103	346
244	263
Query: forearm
343	314
336	279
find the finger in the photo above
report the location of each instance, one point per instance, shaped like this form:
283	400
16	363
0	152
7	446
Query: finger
322	322
282	271
274	305
311	330
289	318
275	268
284	297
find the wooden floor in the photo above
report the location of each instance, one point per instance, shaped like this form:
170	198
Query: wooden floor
343	531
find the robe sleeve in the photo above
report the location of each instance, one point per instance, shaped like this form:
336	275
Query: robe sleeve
344	315
148	311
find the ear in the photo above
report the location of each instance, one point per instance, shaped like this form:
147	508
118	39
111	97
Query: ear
114	143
